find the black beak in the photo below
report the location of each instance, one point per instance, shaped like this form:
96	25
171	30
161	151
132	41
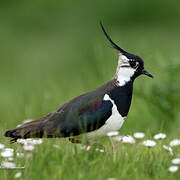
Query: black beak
147	73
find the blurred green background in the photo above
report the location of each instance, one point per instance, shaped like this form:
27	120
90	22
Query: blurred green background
52	51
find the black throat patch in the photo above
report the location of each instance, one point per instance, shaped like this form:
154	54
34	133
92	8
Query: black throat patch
122	95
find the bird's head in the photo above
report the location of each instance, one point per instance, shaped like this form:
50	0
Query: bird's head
129	66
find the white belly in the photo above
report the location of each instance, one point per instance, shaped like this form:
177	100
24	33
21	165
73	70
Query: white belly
114	122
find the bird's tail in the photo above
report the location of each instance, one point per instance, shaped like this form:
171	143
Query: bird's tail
31	129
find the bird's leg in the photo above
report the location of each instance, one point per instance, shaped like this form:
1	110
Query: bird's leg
112	144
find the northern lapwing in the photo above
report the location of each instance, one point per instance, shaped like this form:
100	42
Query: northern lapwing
94	113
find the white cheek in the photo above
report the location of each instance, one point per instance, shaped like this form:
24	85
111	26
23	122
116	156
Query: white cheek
124	75
127	72
123	58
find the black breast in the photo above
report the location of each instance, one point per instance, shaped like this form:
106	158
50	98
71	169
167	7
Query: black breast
122	95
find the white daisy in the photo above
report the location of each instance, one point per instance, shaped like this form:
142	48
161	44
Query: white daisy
37	141
7	152
128	139
18	175
173	168
8	165
160	136
139	135
175	142
9	149
168	149
28	147
30	141
21	141
125	139
112	133
176	161
149	143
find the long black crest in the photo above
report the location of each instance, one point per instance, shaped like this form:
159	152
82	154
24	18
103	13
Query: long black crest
110	40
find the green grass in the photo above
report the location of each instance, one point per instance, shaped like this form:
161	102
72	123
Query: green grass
52	52
71	162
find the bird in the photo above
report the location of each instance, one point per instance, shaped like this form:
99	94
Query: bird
95	113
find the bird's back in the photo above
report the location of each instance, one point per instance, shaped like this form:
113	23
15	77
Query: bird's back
86	112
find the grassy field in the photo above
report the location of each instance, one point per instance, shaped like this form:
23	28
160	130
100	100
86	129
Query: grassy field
50	56
71	162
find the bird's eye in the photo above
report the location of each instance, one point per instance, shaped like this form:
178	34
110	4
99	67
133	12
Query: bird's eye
133	63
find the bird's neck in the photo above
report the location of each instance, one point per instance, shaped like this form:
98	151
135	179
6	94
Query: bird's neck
122	96
124	75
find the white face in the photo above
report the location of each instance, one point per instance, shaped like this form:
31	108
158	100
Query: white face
124	70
